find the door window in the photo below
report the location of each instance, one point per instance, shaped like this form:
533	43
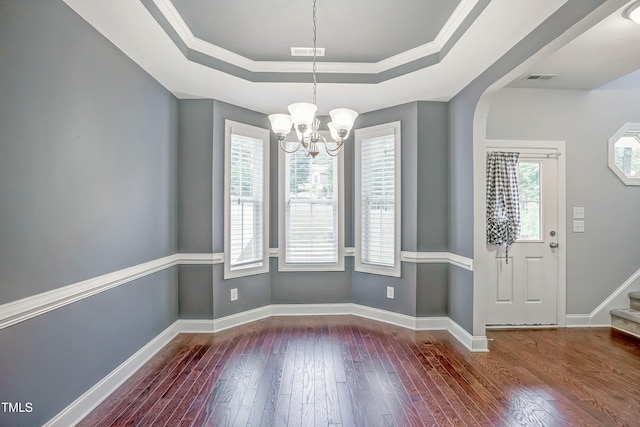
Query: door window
530	201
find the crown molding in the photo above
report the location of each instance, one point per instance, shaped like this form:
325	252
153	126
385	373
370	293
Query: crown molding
447	32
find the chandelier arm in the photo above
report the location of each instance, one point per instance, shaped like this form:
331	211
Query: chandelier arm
282	147
335	152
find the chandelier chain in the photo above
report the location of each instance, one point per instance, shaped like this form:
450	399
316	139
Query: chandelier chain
304	119
314	52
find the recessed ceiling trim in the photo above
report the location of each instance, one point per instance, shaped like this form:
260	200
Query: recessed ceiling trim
168	10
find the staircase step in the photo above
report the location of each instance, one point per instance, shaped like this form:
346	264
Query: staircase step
627	320
634	299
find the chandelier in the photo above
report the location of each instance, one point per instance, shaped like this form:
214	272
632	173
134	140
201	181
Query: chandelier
633	12
302	117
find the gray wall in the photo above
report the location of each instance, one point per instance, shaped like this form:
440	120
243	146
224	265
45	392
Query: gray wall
88	157
88	166
253	291
602	258
370	289
53	359
461	113
462	109
295	287
195	160
425	218
432	206
203	291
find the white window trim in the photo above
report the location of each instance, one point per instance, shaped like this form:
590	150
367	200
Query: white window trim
231	127
368	133
282	264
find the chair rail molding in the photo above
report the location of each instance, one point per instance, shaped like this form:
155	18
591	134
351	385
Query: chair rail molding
26	308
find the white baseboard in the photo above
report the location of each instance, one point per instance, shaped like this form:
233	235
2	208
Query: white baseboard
618	299
241	318
385	316
432	323
600	316
83	405
577	320
311	309
473	343
196	326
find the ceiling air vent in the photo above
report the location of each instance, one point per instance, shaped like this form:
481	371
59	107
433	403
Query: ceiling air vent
306	51
540	76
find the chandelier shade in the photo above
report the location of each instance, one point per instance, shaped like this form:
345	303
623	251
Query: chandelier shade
633	12
280	123
303	118
333	131
302	114
343	119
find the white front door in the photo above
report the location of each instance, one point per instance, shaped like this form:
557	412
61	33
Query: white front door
523	285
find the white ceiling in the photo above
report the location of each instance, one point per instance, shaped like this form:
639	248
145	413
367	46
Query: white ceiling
606	52
133	29
349	30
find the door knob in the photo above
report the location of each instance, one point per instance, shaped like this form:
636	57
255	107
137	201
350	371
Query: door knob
553	245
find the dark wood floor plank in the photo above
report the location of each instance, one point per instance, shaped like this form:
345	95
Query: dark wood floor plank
430	402
197	392
349	371
201	405
143	389
406	404
586	391
319	381
105	410
356	388
142	413
329	349
297	379
170	404
264	410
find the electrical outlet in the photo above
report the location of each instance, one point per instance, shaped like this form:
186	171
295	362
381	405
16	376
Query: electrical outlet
234	294
578	212
578	226
390	292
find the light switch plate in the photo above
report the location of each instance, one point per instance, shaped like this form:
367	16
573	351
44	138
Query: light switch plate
578	212
578	226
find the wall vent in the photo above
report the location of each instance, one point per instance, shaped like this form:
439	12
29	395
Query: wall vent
306	51
540	76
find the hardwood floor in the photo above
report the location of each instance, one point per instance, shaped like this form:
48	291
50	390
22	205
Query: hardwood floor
349	371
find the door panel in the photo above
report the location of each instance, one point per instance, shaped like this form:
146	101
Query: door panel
523	289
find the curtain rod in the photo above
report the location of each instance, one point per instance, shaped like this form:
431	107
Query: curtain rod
541	155
529	154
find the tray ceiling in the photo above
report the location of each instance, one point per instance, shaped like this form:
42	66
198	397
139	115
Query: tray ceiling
379	53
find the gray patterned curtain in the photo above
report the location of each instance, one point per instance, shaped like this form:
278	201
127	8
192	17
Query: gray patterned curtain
503	207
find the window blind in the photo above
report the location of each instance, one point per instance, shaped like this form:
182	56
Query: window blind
311	209
377	200
246	200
